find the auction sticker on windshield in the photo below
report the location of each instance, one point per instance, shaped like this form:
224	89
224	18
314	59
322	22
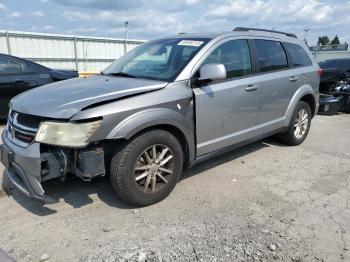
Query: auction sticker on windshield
190	43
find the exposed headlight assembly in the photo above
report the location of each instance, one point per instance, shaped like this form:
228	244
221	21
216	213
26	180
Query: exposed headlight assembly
66	134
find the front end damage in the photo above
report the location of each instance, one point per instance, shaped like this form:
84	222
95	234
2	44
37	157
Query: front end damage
29	163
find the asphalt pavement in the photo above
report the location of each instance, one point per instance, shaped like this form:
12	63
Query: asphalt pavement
263	202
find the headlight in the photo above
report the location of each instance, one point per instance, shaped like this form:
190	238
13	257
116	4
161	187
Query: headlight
66	134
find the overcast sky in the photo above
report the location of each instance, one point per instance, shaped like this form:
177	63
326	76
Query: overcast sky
155	18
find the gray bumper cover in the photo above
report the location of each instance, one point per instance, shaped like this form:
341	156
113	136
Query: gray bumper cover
24	169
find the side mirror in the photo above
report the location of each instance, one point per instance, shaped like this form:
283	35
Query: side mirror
211	72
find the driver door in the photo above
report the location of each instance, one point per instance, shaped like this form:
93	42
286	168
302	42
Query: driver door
226	110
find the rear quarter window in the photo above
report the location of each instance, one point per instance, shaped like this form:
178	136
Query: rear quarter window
298	55
271	55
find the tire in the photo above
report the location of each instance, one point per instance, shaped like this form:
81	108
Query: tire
131	163
289	137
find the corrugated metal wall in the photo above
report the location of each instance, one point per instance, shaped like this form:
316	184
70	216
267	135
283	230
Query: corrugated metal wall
87	54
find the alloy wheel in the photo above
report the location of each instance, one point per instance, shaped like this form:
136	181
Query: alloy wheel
301	123
154	168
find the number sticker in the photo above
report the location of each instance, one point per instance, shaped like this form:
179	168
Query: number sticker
190	43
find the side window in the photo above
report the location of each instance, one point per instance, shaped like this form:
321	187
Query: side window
234	55
271	55
298	55
15	67
4	66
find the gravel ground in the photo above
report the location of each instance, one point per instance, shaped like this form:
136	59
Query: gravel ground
263	202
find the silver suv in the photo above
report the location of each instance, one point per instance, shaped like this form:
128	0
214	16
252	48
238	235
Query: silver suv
167	103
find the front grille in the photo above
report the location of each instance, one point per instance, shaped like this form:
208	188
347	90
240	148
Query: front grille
22	128
29	120
23	136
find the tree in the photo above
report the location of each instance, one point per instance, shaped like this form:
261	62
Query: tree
323	40
335	41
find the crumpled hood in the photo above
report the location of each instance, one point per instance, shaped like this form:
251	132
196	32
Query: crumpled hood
64	99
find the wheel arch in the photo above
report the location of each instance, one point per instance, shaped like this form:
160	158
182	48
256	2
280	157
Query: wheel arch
165	119
310	99
304	93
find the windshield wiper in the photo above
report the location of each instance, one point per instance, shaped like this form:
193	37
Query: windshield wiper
122	74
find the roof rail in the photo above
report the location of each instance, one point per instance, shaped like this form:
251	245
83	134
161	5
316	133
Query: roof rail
245	29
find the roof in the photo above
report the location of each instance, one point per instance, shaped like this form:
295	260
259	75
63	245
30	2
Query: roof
245	32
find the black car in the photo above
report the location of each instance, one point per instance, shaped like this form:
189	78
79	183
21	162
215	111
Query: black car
333	71
18	75
335	86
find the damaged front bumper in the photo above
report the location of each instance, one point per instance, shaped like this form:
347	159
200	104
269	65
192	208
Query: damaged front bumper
27	167
23	168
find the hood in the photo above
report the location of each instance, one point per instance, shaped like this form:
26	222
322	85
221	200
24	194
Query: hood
64	99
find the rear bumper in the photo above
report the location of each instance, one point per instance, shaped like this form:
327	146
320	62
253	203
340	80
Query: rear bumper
23	168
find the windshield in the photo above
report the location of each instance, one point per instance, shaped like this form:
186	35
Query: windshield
160	60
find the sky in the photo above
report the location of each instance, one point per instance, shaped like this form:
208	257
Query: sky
150	19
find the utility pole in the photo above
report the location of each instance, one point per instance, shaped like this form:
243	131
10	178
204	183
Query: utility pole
306	30
126	24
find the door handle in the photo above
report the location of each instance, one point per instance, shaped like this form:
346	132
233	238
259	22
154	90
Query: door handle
293	78
251	88
18	81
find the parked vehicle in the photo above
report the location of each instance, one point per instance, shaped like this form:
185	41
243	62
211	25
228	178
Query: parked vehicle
167	103
335	86
18	75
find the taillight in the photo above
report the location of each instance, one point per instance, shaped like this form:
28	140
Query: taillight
319	72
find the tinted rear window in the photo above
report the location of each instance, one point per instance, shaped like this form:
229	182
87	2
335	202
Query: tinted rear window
331	64
271	55
298	55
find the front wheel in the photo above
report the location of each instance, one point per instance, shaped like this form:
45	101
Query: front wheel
299	125
147	168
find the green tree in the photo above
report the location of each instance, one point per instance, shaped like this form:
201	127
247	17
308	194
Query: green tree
323	40
335	41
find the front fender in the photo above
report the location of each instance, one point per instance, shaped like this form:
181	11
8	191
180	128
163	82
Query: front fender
299	94
153	117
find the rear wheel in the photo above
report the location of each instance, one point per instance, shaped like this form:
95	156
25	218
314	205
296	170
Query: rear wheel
299	125
147	168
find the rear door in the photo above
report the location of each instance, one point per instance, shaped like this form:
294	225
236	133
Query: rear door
301	65
277	84
226	110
